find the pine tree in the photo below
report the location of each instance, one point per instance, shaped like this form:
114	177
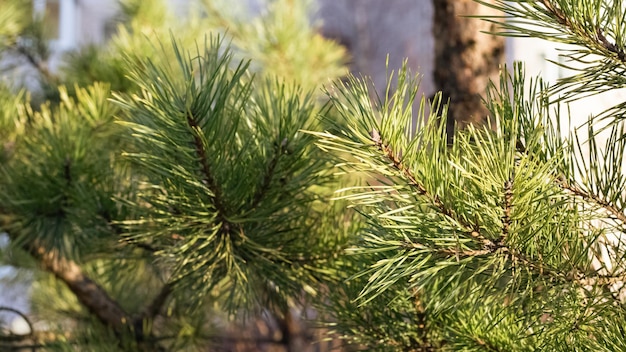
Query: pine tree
511	237
201	189
188	196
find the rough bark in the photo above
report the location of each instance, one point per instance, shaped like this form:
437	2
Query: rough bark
465	58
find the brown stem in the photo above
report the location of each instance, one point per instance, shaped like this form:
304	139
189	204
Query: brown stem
208	178
556	13
267	179
612	209
472	230
268	176
154	308
89	294
506	219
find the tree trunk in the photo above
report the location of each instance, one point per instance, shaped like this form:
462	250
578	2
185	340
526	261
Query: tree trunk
465	58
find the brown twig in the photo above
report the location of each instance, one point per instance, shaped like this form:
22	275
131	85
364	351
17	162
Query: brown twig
473	230
269	174
600	39
610	46
506	218
207	175
557	13
91	295
612	209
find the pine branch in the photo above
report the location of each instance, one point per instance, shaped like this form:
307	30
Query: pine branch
611	208
498	247
154	308
91	295
600	40
208	178
472	230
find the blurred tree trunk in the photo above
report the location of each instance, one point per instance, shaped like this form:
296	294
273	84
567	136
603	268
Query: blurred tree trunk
465	58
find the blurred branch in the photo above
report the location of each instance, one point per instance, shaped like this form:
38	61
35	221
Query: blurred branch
12	336
154	308
89	294
39	65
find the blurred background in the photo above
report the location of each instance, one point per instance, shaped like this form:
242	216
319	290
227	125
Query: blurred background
373	32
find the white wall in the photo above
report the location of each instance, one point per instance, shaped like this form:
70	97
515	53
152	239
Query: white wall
534	53
93	16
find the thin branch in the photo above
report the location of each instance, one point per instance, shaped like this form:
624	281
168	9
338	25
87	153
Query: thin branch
208	178
154	308
269	174
610	46
93	297
451	251
395	158
557	13
11	337
506	218
89	294
612	209
38	65
602	280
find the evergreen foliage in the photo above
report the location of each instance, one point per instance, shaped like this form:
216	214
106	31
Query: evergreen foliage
177	185
510	237
187	196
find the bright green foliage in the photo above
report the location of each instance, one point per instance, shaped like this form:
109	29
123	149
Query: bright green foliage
196	187
477	238
508	239
175	177
14	21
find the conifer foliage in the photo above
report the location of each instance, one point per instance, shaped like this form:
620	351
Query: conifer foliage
204	187
188	197
511	237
